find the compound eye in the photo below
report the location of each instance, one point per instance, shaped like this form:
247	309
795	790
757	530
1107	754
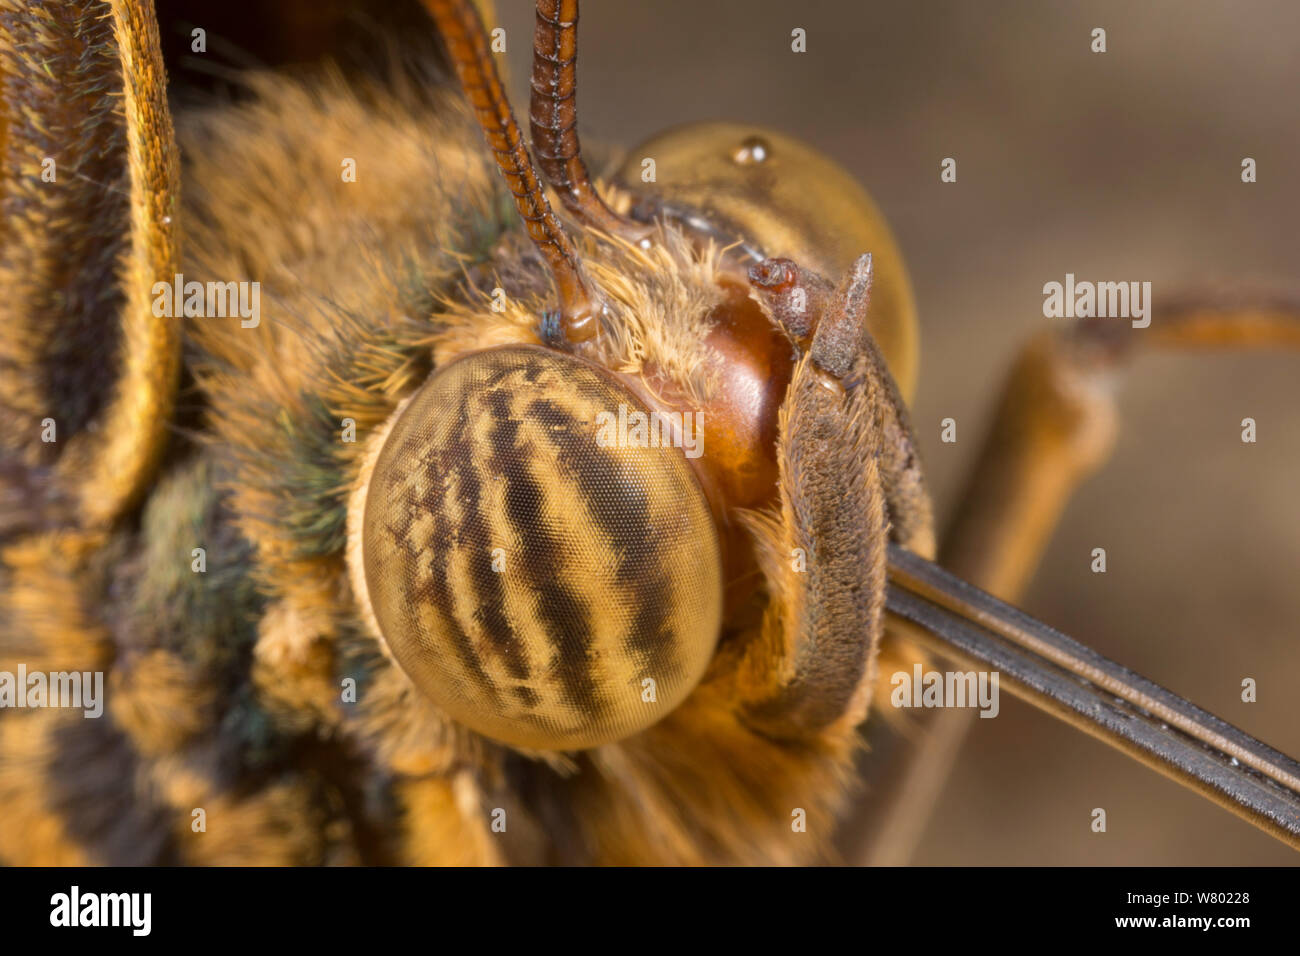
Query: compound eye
546	587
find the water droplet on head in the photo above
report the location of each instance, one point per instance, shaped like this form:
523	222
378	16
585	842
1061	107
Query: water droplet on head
754	149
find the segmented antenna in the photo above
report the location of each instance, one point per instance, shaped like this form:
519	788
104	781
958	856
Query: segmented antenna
467	45
553	120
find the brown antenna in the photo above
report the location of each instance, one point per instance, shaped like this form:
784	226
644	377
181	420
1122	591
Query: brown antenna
462	31
553	120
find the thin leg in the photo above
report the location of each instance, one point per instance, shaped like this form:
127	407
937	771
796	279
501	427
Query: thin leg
1055	425
1056	422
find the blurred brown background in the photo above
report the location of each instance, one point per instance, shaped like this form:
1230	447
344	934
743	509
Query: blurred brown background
1123	165
1117	166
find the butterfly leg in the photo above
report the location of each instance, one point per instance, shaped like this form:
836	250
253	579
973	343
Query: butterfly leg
1054	426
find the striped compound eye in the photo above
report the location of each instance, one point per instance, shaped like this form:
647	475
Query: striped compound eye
545	586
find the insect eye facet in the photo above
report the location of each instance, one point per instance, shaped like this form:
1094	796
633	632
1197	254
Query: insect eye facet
545	587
